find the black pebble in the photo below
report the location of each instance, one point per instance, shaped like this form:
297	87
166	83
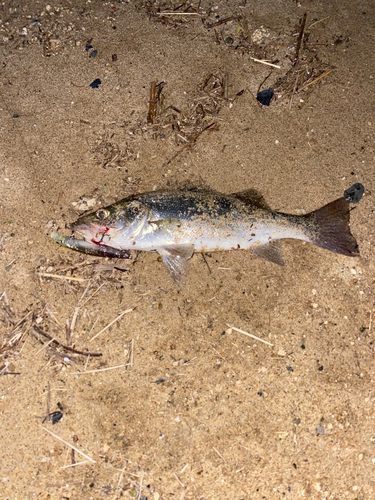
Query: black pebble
114	57
354	193
56	416
88	47
95	84
161	380
265	96
229	40
16	116
290	369
94	53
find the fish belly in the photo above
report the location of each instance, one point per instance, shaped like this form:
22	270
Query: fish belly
210	236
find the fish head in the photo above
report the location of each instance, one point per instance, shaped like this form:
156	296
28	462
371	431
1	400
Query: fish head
116	225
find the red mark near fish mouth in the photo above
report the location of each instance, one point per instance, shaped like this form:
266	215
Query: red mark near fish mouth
94	240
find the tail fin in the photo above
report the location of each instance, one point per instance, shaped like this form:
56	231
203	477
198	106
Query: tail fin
332	229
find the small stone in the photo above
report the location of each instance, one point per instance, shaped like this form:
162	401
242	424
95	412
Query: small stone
319	430
50	224
265	96
95	84
281	352
105	448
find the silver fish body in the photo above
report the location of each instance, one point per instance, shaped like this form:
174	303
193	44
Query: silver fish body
178	223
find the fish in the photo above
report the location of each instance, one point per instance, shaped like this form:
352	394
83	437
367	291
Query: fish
178	223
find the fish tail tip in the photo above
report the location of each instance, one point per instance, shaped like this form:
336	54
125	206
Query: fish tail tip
333	228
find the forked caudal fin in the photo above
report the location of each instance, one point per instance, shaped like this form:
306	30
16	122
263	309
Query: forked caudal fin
332	229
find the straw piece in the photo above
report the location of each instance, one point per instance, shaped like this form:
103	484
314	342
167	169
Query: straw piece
265	62
45	345
99	370
70	445
167	13
318	21
74	465
179	480
72	278
316	79
249	334
111	323
221	456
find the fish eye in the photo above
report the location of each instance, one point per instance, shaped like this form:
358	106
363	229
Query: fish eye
102	213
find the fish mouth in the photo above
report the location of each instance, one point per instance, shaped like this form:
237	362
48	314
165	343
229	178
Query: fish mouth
96	234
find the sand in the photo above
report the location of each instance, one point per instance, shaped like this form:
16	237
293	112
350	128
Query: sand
191	409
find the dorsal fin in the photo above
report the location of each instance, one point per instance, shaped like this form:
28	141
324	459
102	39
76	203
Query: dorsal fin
252	197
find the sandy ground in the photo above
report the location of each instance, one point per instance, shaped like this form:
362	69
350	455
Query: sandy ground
199	411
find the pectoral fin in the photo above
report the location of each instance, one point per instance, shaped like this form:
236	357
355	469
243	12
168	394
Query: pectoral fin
271	252
176	259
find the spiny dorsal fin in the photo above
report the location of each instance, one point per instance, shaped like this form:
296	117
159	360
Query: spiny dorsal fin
271	252
252	197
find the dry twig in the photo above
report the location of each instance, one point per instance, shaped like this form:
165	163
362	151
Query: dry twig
111	323
70	445
38	330
249	334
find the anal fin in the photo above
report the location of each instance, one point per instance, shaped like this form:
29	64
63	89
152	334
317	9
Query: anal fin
271	252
